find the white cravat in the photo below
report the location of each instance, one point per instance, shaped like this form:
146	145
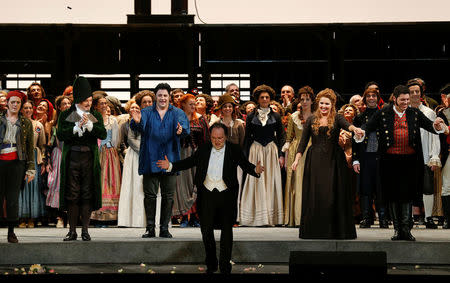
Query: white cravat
215	169
263	115
88	126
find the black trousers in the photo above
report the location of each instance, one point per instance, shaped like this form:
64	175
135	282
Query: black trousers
370	185
12	174
212	207
79	177
168	184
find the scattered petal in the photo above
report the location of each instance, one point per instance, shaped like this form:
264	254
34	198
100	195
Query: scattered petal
172	272
151	271
16	269
260	266
51	271
142	264
417	266
174	267
394	268
120	270
6	273
201	269
232	263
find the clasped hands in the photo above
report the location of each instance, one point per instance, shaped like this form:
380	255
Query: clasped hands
439	125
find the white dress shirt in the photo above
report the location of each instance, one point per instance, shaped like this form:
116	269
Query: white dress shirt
213	178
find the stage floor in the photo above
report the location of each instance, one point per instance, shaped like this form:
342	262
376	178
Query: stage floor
254	246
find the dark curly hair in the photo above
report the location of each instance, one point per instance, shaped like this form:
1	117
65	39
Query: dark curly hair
263	88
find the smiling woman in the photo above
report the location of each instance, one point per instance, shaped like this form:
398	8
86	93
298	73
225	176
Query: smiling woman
327	202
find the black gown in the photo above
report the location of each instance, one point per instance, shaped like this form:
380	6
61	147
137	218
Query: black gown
326	200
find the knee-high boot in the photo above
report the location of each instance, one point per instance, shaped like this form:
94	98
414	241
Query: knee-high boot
394	212
150	213
166	214
406	214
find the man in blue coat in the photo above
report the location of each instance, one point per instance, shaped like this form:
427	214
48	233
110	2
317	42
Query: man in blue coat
161	127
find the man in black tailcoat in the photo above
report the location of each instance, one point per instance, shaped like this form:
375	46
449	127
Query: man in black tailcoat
216	179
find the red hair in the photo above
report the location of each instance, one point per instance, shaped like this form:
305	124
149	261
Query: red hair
183	100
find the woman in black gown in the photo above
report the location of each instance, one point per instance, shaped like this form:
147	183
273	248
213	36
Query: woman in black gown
326	201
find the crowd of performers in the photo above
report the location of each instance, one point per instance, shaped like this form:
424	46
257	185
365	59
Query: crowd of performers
328	166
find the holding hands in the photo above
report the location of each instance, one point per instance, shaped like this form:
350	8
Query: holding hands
359	133
439	124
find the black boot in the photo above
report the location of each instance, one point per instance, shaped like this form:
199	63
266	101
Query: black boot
446	209
11	235
394	212
166	214
364	203
85	219
405	218
382	218
429	223
150	212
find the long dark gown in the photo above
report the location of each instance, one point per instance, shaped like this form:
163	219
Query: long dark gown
327	200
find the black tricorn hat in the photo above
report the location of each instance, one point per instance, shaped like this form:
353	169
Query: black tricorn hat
81	90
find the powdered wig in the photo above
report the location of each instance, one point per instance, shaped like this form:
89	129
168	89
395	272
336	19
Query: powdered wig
328	93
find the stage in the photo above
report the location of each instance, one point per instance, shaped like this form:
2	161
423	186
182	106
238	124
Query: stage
265	245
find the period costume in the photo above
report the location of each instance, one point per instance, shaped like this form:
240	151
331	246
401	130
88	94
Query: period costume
445	147
80	184
326	200
131	203
366	154
430	150
293	190
262	199
159	139
54	176
110	172
16	160
401	161
218	187
32	198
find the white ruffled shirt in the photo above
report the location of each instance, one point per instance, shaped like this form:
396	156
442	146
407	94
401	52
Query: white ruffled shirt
88	126
263	115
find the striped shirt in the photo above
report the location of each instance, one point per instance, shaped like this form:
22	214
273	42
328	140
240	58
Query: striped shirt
401	137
